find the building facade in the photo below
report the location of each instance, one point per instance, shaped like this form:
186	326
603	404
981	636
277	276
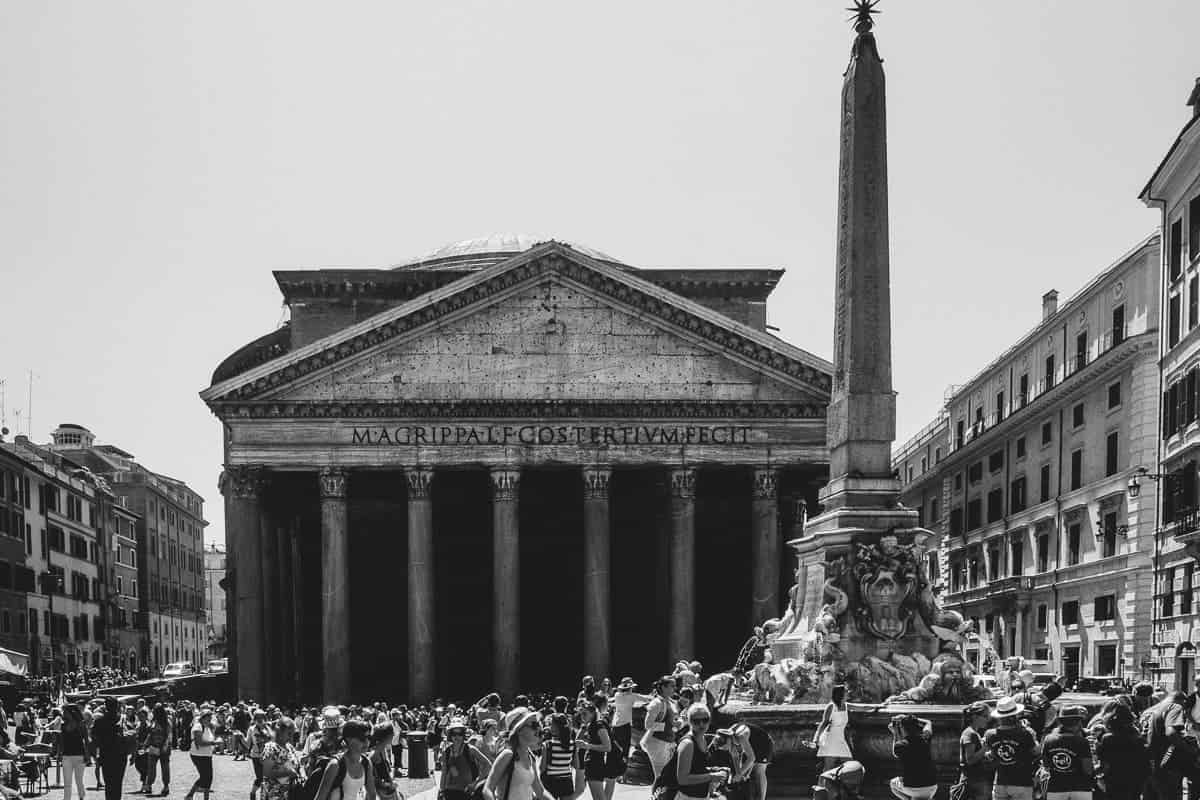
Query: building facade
66	625
1043	545
454	441
1174	189
125	638
169	527
214	603
16	577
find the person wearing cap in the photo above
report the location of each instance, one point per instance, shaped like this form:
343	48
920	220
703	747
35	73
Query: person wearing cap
258	735
461	764
911	745
1013	749
622	704
1067	757
974	771
323	744
513	775
843	782
659	739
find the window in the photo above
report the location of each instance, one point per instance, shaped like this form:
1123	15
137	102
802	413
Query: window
120	585
1106	659
1076	469
1110	454
1185	596
1041	653
1193	302
1049	374
974	514
996	461
937	458
1105	608
1167	590
1041	617
1021	447
999	406
1108	547
1043	552
995	505
1023	391
1188	401
1077	416
1114	395
1175	254
56	539
958	482
1016	496
1194	228
956	521
1016	557
1044	484
1173	321
1047	432
975	472
1070	612
1081	350
933	510
959	433
1073	544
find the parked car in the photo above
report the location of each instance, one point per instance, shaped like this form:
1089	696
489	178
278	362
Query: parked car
178	669
1097	684
1042	678
218	665
989	682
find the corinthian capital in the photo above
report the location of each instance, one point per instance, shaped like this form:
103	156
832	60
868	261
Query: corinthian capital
420	480
506	483
242	482
333	482
766	484
683	482
595	482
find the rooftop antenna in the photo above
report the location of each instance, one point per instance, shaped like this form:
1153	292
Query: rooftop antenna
3	404
29	408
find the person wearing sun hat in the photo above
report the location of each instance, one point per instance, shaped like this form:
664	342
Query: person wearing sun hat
514	775
623	701
1067	756
1013	748
460	763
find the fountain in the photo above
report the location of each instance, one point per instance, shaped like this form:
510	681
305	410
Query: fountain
862	611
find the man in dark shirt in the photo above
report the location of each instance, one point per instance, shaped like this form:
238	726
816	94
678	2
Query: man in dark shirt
1068	757
911	738
1164	738
1012	748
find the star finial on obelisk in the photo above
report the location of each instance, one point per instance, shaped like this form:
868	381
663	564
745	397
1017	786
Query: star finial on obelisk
863	11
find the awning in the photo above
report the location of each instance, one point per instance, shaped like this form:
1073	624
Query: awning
13	663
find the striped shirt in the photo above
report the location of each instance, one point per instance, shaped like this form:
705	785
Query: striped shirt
559	757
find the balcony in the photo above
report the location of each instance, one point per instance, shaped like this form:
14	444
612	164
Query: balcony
1007	588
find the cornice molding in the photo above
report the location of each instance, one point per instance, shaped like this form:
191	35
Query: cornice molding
518	409
688	316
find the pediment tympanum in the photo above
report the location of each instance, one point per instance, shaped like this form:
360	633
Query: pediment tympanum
550	325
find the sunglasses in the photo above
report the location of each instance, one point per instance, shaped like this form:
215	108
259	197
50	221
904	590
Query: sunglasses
705	720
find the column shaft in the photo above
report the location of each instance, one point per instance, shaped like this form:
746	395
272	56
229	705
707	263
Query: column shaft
506	575
597	549
268	587
421	613
286	689
243	517
764	548
298	655
335	586
681	637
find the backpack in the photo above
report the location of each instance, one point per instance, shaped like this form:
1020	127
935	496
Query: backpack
1036	706
312	784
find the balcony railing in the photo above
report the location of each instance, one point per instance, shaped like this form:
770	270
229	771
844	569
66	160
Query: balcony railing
1110	339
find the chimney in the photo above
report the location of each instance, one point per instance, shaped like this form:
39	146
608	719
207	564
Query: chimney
1049	304
1194	99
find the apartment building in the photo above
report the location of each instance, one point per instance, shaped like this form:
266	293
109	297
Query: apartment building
214	574
1174	189
169	583
16	577
1041	542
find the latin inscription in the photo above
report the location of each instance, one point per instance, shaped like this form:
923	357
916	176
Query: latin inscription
467	435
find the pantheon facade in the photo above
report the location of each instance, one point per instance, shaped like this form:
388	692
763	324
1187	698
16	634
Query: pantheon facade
506	464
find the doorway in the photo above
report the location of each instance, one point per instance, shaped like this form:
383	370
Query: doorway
1071	664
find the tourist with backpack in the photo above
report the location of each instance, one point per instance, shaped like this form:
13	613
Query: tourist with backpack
348	774
595	744
382	765
461	764
513	776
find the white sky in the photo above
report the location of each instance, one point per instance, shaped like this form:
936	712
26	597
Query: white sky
159	159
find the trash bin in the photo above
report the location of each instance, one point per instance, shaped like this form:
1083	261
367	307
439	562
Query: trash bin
418	755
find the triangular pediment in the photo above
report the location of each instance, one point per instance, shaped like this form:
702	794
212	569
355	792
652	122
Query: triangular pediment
548	325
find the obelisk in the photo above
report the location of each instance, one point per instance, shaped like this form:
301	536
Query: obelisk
860	503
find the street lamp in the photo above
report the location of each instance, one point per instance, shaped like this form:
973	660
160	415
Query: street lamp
1135	488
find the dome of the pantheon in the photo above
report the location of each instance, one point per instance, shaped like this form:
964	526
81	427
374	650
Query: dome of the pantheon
483	252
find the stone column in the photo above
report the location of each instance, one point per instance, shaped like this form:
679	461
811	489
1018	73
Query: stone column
681	626
597	550
506	579
287	630
421	638
243	512
1020	643
335	585
297	588
764	548
269	589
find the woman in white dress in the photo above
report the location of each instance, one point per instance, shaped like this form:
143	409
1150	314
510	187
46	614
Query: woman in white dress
832	737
